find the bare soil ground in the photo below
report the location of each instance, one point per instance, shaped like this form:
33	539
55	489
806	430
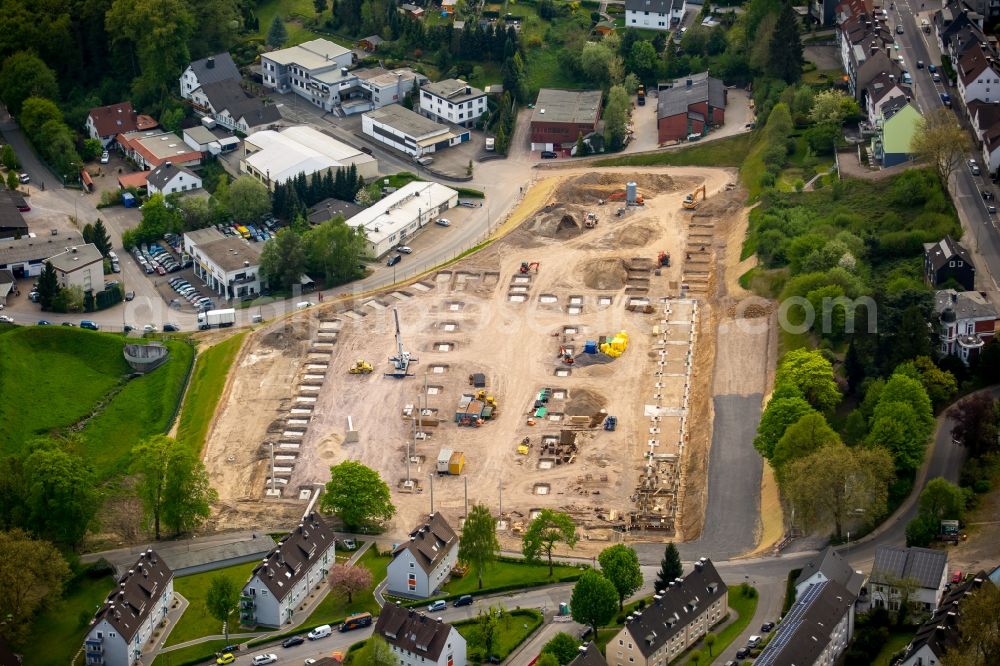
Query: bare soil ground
291	388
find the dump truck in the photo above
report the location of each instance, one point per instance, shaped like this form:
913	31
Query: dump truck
450	462
216	319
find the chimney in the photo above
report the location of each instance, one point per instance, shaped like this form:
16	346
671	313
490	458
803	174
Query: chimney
688	83
210	63
468	90
168	164
343	71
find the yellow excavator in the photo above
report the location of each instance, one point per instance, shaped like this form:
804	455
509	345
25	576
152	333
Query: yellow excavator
361	367
691	201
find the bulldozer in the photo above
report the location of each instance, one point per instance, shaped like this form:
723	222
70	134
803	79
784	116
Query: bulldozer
527	267
361	367
691	201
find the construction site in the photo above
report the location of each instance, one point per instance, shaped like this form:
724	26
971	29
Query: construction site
567	365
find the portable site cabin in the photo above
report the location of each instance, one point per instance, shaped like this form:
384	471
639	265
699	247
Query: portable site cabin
469	413
478	380
450	462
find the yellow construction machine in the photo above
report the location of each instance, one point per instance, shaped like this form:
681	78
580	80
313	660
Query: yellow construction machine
361	367
691	201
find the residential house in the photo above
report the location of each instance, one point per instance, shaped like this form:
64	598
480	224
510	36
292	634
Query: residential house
418	640
376	87
940	632
829	565
149	150
80	266
917	573
815	631
948	260
421	564
654	14
978	75
561	116
25	257
104	123
411	11
279	584
300	69
690	106
225	102
991	148
214	68
895	129
967	321
130	613
872	67
205	140
276	157
861	35
880	91
590	655
452	101
983	116
168	179
676	619
409	132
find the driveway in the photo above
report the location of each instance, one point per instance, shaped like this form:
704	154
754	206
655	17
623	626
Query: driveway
30	164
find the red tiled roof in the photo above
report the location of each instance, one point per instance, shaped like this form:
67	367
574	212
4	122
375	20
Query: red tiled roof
114	119
137	179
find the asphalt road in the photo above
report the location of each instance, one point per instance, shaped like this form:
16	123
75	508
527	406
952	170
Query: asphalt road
30	164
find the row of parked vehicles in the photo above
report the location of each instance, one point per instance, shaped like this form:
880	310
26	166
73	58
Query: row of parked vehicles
261	232
191	294
154	259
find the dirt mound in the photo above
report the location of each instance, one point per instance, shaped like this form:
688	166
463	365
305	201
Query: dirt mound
750	311
635	235
557	220
583	402
601	185
286	334
604	274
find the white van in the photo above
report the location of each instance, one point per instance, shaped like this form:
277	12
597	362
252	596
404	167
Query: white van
302	305
321	631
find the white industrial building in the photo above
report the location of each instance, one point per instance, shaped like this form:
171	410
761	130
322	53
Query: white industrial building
276	157
80	266
25	256
305	69
228	265
453	101
402	214
408	131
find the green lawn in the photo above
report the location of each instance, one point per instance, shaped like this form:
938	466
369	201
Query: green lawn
293	12
58	632
727	152
145	407
515	627
745	607
196	621
193	653
207	382
897	641
334	607
509	575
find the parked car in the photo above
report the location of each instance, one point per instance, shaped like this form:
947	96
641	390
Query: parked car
920	64
394	259
753	641
766	627
932	68
171	328
349	544
742	653
68	323
149	328
44	322
105	157
89	325
321	631
464	600
24	178
549	155
404	249
6	319
225	658
261	659
442	222
292	641
438	605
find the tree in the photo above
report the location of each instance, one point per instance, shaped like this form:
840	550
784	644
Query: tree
620	565
479	546
544	532
248	199
833	107
222	599
48	286
979	630
283	259
172	485
594	601
101	238
941	141
616	117
277	34
92	149
549	659
902	421
32	573
670	568
349	579
833	482
488	622
785	58
61	493
9	158
710	639
942	500
334	249
810	433
377	653
357	495
812	374
594	60
563	647
939	384
12	181
920	531
25	75
975	420
780	413
320	6
35	114
643	59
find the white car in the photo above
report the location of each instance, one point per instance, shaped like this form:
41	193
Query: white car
4	319
24	178
105	157
149	328
404	249
264	659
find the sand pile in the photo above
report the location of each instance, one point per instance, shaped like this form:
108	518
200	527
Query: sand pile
583	402
286	334
604	274
635	235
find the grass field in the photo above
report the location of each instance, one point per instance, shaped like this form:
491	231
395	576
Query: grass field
53	377
727	152
207	382
200	652
335	608
196	622
745	607
515	627
58	632
506	575
897	641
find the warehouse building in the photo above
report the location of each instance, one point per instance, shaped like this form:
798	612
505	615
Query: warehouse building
401	215
690	107
228	265
410	132
276	157
25	257
560	116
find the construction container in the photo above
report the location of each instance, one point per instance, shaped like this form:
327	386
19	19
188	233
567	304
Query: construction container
590	347
456	463
487	412
631	193
469	413
541	412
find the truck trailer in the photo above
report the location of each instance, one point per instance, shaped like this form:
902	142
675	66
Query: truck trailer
216	319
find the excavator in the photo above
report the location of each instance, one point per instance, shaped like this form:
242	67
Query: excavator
691	201
361	367
527	267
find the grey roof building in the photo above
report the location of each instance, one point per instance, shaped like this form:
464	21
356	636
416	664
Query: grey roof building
25	256
422	563
590	655
925	569
418	639
940	632
690	106
219	67
328	208
946	260
816	630
829	565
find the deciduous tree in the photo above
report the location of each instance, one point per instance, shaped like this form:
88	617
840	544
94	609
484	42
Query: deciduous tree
616	114
594	601
248	199
222	599
941	141
25	75
979	630
563	647
349	579
283	259
377	653
810	433
620	565
975	426
780	413
832	106
544	532
670	568
61	493
357	495
478	545
812	374
171	483
942	500
32	573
